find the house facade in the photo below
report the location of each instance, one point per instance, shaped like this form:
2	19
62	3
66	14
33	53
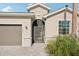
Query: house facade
37	26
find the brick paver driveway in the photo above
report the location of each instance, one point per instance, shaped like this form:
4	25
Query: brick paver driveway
37	49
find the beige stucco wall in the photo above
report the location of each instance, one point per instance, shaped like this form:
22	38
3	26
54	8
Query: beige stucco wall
51	25
26	33
77	32
39	12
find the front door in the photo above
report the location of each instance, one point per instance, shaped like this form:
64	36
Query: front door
38	32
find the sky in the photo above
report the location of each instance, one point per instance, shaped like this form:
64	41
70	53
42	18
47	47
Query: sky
22	7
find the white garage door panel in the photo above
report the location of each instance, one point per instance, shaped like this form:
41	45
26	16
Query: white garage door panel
10	35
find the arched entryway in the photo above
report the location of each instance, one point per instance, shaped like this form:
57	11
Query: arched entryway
38	31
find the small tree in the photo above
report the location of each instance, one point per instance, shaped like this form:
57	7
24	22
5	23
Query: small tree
65	45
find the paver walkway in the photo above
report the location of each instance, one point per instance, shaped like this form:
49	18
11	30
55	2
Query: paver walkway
37	49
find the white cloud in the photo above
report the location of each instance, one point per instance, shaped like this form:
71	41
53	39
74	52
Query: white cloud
30	4
7	9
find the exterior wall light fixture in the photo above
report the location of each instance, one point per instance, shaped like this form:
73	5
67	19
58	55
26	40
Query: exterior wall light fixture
26	27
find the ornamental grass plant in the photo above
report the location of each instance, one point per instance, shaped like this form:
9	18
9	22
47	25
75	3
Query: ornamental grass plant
64	45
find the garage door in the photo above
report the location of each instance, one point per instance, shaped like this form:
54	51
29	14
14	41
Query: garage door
10	34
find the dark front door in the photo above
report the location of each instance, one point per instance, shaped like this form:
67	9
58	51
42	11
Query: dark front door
38	32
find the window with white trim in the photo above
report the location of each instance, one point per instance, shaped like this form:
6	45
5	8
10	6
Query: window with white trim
64	27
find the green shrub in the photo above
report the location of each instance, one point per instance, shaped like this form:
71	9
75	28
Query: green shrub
65	45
